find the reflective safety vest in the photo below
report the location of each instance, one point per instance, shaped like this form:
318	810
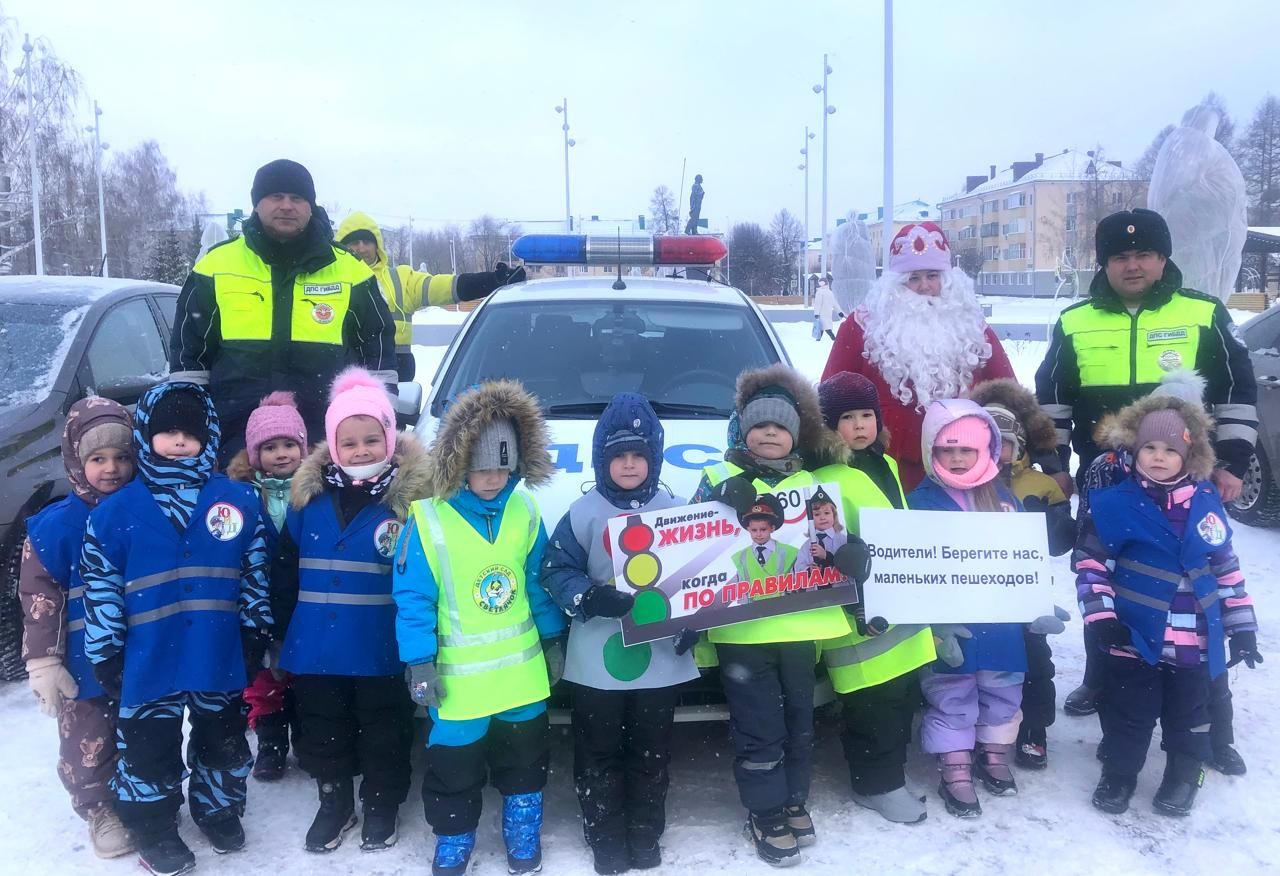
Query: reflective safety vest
345	622
1119	349
490	655
855	662
243	293
1151	561
781	559
814	625
422	290
182	590
57	537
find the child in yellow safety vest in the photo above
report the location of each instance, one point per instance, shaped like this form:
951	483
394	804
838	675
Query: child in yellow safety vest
482	637
767	665
873	668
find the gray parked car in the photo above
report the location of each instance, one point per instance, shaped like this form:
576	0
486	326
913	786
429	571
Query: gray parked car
60	338
1259	503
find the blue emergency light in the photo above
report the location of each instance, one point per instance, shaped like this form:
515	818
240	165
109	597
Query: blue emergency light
619	249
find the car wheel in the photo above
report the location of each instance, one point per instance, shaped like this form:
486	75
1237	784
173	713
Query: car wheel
12	667
1259	502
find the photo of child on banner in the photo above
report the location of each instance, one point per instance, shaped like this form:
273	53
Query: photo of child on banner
704	566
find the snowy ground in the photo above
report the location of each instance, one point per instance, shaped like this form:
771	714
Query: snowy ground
1049	828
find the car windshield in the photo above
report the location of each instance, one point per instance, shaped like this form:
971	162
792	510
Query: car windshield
34	340
576	355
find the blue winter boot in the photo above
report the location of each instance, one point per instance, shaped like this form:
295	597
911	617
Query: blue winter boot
522	831
453	854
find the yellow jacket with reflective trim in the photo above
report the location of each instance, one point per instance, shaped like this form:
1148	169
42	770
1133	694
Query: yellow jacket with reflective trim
404	289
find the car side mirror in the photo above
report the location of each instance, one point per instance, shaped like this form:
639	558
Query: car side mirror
127	390
408	404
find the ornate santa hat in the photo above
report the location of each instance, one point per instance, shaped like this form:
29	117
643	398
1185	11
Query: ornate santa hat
920	246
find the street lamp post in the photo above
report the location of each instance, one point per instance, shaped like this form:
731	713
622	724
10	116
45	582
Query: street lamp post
568	141
27	49
98	148
827	110
804	250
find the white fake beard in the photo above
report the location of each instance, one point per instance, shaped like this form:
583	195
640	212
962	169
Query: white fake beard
925	348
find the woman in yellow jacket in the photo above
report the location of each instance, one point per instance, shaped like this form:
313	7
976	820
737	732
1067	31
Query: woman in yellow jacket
407	290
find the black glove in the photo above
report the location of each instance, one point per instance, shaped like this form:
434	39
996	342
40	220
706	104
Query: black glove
1111	633
110	675
505	276
601	601
471	287
853	559
253	645
1034	503
1244	648
685	640
737	492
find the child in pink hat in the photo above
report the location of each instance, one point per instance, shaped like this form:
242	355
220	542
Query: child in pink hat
275	444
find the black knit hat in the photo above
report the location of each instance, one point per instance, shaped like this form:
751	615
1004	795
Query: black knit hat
283	175
1132	229
179	409
360	234
844	392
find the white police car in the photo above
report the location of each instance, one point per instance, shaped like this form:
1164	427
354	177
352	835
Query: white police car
575	342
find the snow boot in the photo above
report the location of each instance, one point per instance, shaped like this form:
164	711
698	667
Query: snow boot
273	747
1228	761
992	769
1032	752
1081	701
956	787
1114	792
163	853
336	815
610	859
899	805
453	854
774	842
645	854
800	825
522	832
109	837
1183	776
223	831
379	829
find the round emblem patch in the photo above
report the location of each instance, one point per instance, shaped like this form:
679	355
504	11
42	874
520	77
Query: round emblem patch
1170	360
224	521
384	537
1212	529
322	313
495	589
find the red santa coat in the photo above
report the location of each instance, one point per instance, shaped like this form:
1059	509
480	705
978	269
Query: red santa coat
903	420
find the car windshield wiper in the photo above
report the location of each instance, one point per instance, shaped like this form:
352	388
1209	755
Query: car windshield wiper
680	409
575	409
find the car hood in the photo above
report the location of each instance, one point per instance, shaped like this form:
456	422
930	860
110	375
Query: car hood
691	445
12	416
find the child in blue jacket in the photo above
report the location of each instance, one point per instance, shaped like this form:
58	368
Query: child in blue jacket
175	572
624	698
482	638
349	501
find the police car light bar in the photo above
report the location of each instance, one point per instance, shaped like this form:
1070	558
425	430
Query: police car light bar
614	249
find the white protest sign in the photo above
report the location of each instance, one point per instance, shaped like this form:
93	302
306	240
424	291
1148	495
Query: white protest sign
951	567
696	567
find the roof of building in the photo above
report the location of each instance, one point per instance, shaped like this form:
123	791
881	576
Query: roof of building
1066	166
910	211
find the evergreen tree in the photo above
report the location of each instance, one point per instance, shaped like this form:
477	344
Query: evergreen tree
166	262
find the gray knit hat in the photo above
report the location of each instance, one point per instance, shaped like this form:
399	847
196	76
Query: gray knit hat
496	448
115	435
771	405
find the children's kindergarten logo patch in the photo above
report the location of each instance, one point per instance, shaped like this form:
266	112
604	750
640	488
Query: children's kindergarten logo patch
1212	529
384	537
224	521
495	589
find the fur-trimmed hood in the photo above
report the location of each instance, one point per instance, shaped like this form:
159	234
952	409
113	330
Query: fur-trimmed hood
467	416
410	484
818	445
1120	431
1009	393
238	469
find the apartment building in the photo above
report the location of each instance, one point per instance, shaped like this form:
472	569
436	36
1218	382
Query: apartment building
1030	226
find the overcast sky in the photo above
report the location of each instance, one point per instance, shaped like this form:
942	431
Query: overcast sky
445	111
